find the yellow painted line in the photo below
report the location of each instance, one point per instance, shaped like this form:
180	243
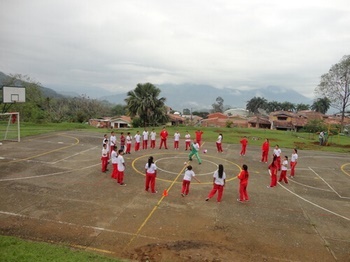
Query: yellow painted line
342	168
166	180
154	209
48	152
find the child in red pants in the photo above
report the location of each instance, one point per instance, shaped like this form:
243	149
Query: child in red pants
187	180
273	172
283	175
243	177
219	180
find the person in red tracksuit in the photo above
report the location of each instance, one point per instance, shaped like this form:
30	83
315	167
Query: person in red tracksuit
163	137
244	142
265	150
273	167
199	134
243	184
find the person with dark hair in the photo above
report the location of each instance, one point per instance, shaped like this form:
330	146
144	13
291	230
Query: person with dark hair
277	152
265	150
114	160
104	158
187	180
194	152
128	143
219	181
163	138
283	174
122	141
243	184
293	162
273	167
244	143
151	173
121	167
219	143
199	134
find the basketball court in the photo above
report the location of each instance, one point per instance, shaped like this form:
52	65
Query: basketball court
52	189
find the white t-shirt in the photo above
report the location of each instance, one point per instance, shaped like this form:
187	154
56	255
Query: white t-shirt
137	138
219	181
177	136
128	139
153	135
196	146
152	169
120	162
187	137
219	139
145	135
114	157
113	140
294	157
284	164
104	152
277	151
188	175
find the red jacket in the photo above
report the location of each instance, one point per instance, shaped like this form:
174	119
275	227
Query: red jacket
244	141
243	177
164	134
265	147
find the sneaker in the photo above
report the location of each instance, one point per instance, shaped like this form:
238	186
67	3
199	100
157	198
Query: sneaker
122	184
207	199
182	194
155	192
238	200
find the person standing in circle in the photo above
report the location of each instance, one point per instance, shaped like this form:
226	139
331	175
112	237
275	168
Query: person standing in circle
163	137
187	140
153	138
284	167
121	167
277	152
265	150
151	173
293	162
219	181
187	180
199	134
219	143
243	184
244	143
273	172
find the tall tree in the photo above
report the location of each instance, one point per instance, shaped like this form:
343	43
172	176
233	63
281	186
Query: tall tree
301	106
143	101
274	106
219	105
321	105
335	85
255	103
288	106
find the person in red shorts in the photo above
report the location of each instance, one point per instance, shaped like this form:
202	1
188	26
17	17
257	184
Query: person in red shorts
265	150
243	183
273	167
244	143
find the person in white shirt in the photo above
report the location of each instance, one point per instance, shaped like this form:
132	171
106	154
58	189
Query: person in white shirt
112	142
121	167
283	175
104	158
128	143
153	138
145	139
194	152
219	181
188	140
293	162
137	138
187	180
277	152
114	156
219	143
176	140
151	173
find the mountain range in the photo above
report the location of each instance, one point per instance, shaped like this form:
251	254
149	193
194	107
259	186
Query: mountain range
192	96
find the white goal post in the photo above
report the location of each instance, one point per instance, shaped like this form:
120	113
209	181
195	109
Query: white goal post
10	127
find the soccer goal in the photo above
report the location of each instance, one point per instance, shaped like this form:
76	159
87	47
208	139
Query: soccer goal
10	127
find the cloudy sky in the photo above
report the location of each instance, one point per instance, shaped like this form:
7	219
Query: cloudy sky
115	44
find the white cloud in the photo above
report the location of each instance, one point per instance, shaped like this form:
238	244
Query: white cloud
116	44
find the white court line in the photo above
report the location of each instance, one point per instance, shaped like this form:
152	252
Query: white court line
72	155
328	184
52	174
72	224
317	188
308	201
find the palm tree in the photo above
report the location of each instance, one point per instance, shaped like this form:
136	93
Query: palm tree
255	103
143	101
321	105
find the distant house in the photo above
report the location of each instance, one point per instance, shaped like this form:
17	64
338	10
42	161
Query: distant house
222	120
111	122
176	119
259	122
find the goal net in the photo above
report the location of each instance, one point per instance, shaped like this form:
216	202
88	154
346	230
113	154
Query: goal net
9	127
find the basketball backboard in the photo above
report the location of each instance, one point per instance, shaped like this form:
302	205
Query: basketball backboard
12	94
